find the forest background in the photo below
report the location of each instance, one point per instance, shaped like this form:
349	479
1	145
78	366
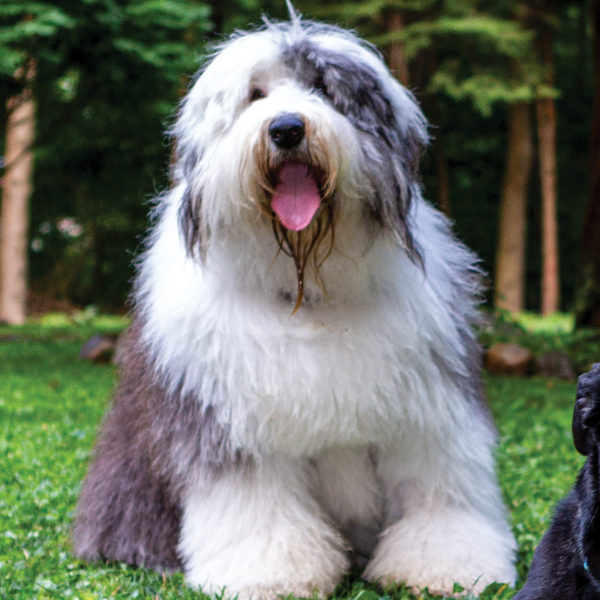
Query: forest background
508	87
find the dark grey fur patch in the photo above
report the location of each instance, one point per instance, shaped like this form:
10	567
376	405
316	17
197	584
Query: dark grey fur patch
363	539
190	225
355	91
150	444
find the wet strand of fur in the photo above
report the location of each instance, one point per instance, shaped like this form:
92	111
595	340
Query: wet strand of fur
300	246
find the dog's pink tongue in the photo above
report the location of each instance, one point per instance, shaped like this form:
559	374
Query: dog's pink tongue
296	198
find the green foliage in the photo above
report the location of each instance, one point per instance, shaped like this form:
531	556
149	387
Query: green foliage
110	73
50	407
23	28
483	89
108	76
229	15
507	38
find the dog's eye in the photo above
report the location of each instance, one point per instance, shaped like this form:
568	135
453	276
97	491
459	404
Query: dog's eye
256	94
319	85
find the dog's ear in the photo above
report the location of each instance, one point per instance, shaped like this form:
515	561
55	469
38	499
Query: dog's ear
414	128
410	144
393	134
586	415
189	135
579	432
190	207
190	223
400	145
185	168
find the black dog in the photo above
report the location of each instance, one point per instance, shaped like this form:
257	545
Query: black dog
566	564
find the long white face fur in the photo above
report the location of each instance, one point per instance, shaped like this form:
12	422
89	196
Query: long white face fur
366	148
383	335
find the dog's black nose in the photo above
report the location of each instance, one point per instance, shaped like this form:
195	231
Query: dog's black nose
287	131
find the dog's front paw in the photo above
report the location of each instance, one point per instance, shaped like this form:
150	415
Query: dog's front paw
268	560
437	550
586	416
302	572
257	534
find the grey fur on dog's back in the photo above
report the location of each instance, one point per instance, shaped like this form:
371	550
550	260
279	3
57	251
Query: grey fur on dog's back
129	508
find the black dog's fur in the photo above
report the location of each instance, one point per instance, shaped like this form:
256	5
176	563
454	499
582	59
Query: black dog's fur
566	564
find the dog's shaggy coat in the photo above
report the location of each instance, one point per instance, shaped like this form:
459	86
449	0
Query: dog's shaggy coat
566	564
292	393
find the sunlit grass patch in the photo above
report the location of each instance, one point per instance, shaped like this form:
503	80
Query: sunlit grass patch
554	323
79	325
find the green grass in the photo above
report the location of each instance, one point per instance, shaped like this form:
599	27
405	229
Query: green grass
51	404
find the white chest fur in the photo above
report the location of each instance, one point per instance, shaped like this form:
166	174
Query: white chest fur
355	367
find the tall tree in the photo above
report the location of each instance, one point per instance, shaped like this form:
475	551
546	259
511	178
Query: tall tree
510	255
546	120
588	298
16	191
511	247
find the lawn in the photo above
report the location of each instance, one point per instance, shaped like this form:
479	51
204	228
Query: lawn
51	404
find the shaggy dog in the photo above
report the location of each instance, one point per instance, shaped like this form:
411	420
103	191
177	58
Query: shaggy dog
566	564
302	378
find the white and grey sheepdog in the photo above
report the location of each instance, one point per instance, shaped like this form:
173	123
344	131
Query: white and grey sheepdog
302	384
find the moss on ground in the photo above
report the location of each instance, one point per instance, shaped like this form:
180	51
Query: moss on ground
51	404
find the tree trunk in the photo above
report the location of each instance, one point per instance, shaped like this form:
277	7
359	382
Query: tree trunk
546	119
510	257
546	116
588	296
14	216
398	62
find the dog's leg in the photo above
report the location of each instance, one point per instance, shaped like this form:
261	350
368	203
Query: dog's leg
348	489
445	520
258	533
